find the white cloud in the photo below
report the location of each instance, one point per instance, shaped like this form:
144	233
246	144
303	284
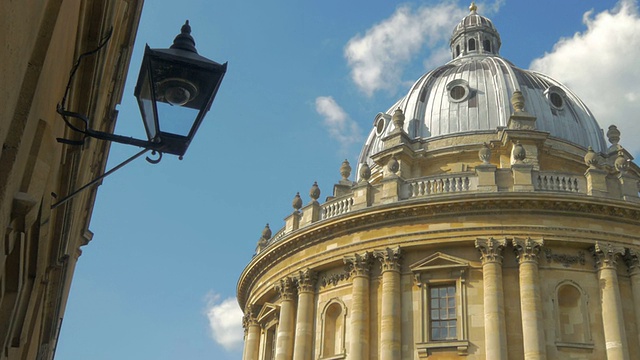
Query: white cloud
377	58
340	126
225	321
601	66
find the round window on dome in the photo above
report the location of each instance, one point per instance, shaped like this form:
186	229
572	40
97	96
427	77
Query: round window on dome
555	95
458	90
380	126
556	100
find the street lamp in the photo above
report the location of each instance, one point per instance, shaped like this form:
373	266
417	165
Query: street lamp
175	90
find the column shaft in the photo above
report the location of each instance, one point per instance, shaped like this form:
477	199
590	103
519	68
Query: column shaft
303	346
359	344
530	305
252	342
390	326
286	323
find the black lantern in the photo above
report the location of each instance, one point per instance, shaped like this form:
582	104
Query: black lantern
175	89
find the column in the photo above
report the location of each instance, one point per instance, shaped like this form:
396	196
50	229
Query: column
530	304
495	337
633	262
303	346
284	339
390	312
359	267
251	334
612	316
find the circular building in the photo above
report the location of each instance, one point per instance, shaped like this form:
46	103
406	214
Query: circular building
488	220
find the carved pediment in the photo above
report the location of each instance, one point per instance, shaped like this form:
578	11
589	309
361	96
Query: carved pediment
269	311
439	261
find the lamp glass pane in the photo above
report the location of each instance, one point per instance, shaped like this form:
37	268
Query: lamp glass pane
176	119
146	106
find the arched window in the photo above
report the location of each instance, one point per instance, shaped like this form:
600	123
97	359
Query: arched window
457	50
572	314
486	45
472	44
333	329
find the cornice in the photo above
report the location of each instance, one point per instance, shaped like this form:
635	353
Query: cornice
411	211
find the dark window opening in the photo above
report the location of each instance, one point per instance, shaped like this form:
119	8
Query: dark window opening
457	92
442	312
556	99
487	45
457	50
472	44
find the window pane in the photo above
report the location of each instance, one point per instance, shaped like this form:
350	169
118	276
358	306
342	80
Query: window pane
434	303
435	315
451	290
443	291
434	292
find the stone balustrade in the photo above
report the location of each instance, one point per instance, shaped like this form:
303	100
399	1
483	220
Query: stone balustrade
552	181
441	184
337	206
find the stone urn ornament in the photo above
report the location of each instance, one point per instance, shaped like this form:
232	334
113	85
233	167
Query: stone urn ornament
297	202
365	171
591	159
518	153
314	193
485	154
393	165
345	170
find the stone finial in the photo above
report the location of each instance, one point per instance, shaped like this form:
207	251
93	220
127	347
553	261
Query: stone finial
518	152
266	232
484	153
591	159
393	165
297	202
398	119
314	193
365	171
621	163
345	170
613	134
517	100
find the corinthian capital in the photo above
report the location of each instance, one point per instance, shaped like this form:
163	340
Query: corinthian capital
359	264
306	280
606	255
631	258
286	288
491	249
527	249
389	258
249	317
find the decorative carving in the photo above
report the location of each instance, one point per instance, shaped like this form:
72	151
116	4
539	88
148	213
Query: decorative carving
264	239
365	171
491	249
359	264
485	153
250	317
621	163
564	259
613	134
345	170
591	159
306	280
517	100
606	255
527	249
286	288
389	258
334	279
393	165
518	153
314	193
297	202
632	259
398	119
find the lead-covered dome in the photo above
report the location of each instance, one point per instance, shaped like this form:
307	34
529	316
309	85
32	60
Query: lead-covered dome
472	93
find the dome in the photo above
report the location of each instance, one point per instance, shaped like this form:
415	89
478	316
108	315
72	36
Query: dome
472	93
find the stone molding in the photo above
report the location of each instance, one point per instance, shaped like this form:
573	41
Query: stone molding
359	264
631	258
491	249
389	258
416	209
527	249
564	259
606	255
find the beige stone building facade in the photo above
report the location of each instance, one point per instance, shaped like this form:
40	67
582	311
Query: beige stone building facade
488	219
39	43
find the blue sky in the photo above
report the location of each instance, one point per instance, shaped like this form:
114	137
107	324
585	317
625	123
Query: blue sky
158	280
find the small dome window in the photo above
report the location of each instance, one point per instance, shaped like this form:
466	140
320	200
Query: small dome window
458	90
486	45
380	123
472	44
555	95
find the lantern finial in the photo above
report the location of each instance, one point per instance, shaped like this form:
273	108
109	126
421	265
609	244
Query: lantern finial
184	40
